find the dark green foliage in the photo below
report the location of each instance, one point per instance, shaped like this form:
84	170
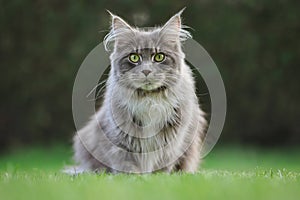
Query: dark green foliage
255	44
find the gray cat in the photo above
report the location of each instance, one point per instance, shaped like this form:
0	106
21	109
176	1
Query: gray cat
150	119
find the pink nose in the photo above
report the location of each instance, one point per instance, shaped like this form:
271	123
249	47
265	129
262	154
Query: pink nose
146	72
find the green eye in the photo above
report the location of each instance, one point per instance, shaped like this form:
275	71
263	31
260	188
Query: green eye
159	57
134	57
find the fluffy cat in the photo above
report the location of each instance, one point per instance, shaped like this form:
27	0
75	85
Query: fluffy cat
150	119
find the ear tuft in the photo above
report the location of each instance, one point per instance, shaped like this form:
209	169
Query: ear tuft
117	22
111	14
181	11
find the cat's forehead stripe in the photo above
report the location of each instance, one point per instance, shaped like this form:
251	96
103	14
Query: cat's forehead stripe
147	50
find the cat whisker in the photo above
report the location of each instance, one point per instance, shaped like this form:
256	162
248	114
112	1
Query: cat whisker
94	88
202	94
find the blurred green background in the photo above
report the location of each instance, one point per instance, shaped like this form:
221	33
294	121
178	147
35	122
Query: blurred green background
254	43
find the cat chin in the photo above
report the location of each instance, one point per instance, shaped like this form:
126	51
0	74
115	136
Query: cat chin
149	87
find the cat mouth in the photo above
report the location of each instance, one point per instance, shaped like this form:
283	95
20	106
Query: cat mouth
144	90
148	86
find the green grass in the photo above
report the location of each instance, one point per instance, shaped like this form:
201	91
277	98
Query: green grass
227	173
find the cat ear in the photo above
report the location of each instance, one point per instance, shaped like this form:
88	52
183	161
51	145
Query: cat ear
120	32
118	23
174	22
173	29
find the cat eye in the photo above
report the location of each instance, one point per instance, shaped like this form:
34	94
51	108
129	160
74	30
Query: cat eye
134	57
159	57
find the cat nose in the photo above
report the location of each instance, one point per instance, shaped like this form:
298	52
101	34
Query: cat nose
146	72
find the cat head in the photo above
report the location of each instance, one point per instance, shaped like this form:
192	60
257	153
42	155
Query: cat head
146	59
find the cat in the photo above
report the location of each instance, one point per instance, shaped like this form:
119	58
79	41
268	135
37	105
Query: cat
150	119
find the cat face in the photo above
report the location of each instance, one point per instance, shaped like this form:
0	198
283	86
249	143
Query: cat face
147	59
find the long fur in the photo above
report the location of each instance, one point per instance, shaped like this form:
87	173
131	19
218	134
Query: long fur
144	131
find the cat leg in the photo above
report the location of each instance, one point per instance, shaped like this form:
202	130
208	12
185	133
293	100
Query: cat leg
190	160
85	160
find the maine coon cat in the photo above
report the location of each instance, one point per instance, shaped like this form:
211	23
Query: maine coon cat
150	119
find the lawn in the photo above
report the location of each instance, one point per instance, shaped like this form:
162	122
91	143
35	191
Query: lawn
227	173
